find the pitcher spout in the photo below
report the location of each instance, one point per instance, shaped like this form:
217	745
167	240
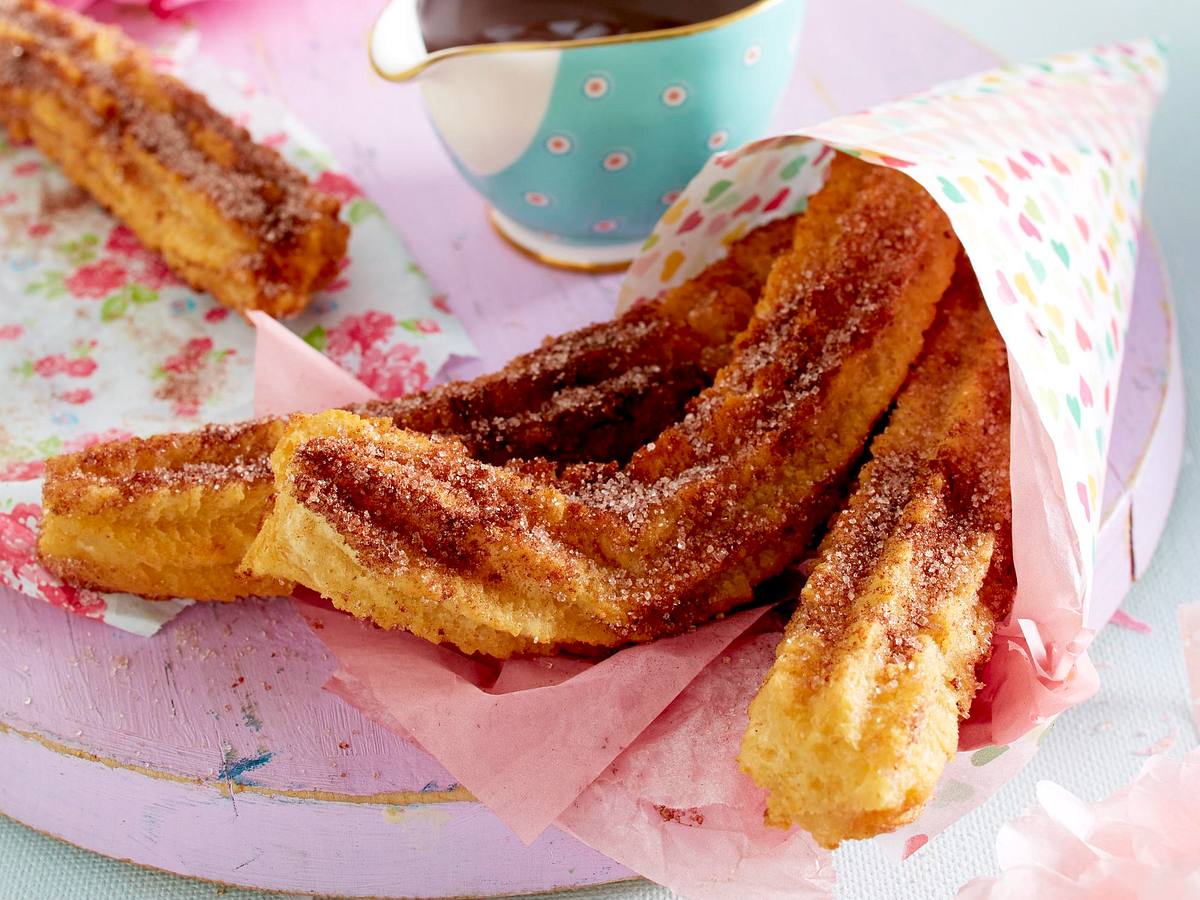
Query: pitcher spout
397	45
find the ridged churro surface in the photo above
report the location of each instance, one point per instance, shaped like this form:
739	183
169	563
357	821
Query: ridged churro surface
173	515
715	504
859	713
229	216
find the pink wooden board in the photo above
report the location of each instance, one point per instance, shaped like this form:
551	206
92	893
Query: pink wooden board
131	747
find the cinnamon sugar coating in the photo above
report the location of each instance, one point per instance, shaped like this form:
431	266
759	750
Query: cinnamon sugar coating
716	503
859	714
593	394
229	216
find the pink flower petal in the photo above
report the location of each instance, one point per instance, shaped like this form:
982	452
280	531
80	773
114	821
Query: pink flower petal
1143	841
1123	619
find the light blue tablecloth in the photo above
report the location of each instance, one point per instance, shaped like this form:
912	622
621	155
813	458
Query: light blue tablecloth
1092	750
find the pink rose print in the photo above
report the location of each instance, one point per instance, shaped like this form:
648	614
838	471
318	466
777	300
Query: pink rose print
77	397
20	570
39	229
190	358
58	364
50	365
80	367
340	283
154	273
90	440
359	333
10	332
99	279
441	303
216	314
359	344
428	326
22	470
394	371
27	168
190	375
337	185
123	242
18	532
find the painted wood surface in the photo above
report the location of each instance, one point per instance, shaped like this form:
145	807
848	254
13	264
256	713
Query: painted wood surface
211	750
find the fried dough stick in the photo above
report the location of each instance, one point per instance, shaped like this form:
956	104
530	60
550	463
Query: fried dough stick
509	560
173	515
859	714
229	216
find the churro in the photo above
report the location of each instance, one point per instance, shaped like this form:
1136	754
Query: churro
511	559
859	713
173	515
229	216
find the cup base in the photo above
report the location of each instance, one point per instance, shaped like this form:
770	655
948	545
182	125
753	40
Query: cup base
561	254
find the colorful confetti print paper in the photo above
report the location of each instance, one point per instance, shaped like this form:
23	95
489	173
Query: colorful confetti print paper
99	340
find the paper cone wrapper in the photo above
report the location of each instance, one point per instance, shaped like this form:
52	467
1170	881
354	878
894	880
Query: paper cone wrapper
1040	170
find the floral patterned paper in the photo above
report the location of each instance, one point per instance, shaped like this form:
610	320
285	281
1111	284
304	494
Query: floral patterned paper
98	339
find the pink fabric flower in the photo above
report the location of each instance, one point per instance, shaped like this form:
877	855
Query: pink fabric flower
1143	841
393	372
99	279
337	185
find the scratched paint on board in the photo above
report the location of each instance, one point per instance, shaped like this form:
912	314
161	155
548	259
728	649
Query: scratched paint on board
234	768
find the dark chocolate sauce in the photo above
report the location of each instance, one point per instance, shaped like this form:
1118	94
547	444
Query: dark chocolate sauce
457	23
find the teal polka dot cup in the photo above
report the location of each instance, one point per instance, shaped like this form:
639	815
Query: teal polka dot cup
579	147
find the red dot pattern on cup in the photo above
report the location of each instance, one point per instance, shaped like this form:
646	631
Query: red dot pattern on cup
674	95
558	144
615	161
595	87
537	198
